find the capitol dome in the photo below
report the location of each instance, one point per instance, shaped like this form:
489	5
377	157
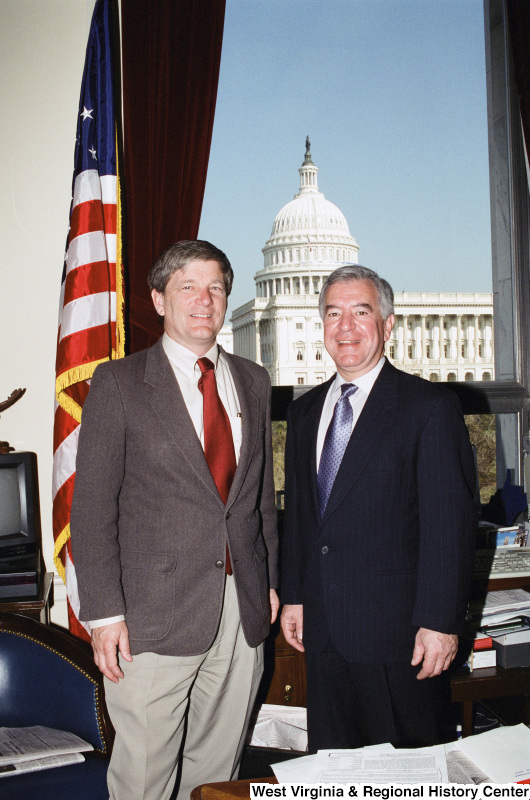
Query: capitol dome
309	234
281	327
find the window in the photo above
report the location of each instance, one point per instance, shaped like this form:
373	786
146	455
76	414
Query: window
410	350
392	351
511	260
300	380
469	376
318	326
434	377
299	326
299	354
318	355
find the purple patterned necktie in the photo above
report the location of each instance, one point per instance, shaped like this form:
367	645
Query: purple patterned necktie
337	437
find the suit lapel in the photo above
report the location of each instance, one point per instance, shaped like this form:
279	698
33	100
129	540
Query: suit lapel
249	403
378	415
308	434
169	405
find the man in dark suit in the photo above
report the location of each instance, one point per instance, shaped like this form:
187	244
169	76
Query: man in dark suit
174	536
379	530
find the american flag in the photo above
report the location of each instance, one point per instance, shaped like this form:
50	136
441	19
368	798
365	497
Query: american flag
91	304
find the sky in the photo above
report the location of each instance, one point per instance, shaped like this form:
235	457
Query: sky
392	94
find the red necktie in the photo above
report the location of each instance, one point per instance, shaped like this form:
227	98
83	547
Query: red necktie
218	439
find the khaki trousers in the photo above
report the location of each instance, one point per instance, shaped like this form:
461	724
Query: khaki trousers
208	698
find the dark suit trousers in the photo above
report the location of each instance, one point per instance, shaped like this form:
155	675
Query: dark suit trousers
353	705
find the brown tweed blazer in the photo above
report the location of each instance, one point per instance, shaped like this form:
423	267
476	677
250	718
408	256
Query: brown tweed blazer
148	526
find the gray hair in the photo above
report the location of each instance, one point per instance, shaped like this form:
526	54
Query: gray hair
178	256
354	272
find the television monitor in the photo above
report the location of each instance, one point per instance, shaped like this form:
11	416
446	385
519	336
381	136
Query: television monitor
20	533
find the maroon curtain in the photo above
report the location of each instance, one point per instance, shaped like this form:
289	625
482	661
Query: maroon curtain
171	58
519	26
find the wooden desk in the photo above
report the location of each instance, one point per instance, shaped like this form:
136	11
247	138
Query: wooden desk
227	790
35	607
489	682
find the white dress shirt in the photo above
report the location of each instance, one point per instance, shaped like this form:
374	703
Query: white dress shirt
187	372
364	383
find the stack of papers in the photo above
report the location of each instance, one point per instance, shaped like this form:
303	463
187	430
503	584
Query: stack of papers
501	755
379	764
281	727
503	605
35	748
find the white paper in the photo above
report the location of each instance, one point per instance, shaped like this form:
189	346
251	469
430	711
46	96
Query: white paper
281	727
296	770
367	765
280	735
502	605
40	763
460	769
303	769
23	744
502	753
295	714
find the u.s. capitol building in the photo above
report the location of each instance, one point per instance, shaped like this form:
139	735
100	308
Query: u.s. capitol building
441	336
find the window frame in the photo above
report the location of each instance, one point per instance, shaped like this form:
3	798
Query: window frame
508	395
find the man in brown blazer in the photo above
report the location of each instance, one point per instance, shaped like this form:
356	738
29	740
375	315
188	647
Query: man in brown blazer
176	564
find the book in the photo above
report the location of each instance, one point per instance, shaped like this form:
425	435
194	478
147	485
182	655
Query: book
482	658
482	642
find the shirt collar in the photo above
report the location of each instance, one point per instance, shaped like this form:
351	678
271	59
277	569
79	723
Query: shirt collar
364	382
184	359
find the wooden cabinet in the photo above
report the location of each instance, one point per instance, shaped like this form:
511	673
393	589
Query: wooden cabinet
284	679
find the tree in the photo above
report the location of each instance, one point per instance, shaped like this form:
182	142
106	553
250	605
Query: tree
481	429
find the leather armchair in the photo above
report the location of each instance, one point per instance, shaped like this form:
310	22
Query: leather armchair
48	677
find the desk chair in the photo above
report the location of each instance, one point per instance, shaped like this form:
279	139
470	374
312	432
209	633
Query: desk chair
48	677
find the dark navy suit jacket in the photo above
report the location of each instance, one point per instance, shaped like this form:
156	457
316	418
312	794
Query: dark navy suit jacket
394	549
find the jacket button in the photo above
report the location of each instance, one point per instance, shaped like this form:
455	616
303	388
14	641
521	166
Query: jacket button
219	564
325	550
227	515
